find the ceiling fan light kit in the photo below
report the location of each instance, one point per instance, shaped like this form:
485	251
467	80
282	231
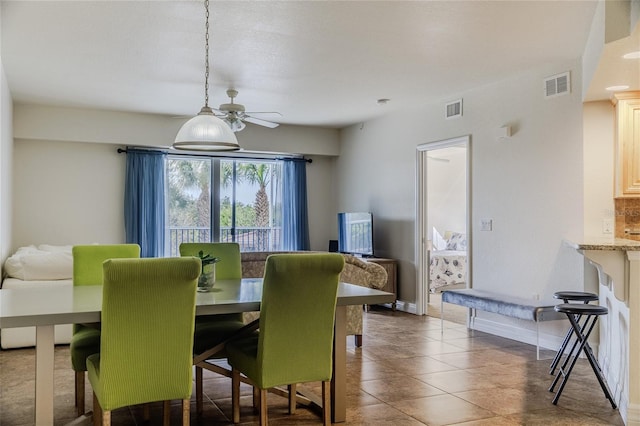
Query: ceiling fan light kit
234	122
205	131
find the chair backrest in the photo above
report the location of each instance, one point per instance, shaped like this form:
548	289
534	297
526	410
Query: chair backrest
146	346
230	265
88	259
296	317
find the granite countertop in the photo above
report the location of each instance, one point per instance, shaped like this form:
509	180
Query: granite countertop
603	243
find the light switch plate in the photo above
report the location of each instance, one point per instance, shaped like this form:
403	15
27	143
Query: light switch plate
486	224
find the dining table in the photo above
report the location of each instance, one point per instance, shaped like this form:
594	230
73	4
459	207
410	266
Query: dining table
46	307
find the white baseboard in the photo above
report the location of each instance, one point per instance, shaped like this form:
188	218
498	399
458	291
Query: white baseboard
511	331
630	413
410	308
508	331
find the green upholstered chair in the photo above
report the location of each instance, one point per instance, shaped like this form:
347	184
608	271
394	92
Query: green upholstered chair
146	341
87	270
213	330
229	267
295	341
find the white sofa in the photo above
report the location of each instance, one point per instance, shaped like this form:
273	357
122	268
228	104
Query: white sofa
37	267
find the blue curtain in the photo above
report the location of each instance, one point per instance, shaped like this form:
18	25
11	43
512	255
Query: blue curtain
144	201
295	226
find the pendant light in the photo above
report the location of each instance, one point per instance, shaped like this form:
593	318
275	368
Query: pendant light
205	131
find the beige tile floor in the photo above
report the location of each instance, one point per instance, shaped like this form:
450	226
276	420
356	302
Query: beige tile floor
407	373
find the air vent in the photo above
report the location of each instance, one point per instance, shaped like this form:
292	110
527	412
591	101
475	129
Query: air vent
453	109
557	85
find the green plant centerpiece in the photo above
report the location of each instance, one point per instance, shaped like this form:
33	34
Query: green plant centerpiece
208	273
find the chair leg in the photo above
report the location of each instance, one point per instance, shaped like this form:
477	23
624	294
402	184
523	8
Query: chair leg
235	394
263	407
186	418
326	403
563	347
80	392
97	411
146	412
582	339
100	417
292	398
358	338
166	413
106	418
199	390
256	398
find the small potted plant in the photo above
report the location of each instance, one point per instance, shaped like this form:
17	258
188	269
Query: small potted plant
208	274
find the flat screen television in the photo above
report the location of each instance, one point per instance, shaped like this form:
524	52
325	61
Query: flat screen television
355	233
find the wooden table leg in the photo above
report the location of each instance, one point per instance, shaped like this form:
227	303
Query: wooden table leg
339	377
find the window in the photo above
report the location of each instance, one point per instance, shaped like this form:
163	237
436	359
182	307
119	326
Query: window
224	200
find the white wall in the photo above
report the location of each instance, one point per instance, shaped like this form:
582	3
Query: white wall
594	46
69	184
6	162
599	145
39	122
447	190
530	185
321	200
67	193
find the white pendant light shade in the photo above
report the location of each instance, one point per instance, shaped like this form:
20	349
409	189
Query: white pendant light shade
206	132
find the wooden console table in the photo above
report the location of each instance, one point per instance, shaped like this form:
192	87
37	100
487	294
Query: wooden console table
391	266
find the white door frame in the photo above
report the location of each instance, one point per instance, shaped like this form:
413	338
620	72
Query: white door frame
421	249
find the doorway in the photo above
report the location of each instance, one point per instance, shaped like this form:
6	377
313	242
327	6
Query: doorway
443	223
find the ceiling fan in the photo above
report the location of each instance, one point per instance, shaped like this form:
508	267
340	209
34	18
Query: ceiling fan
234	114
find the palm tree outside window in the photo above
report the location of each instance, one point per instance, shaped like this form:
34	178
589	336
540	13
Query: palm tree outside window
211	199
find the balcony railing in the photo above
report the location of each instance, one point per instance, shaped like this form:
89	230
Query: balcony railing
250	239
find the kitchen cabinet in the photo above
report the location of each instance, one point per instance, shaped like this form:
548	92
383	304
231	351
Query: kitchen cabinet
627	151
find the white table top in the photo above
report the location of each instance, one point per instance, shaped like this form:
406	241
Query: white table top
82	304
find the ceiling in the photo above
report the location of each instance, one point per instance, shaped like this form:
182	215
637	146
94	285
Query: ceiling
321	63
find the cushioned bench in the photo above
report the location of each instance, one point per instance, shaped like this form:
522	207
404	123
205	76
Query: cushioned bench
514	307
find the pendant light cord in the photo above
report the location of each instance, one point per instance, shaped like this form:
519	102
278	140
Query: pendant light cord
206	55
205	131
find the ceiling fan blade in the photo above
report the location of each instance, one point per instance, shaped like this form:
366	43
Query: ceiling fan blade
219	113
259	122
264	112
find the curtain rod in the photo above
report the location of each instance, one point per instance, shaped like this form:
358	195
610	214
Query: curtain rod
235	157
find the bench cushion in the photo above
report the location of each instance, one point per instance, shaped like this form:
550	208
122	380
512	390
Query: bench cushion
487	301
